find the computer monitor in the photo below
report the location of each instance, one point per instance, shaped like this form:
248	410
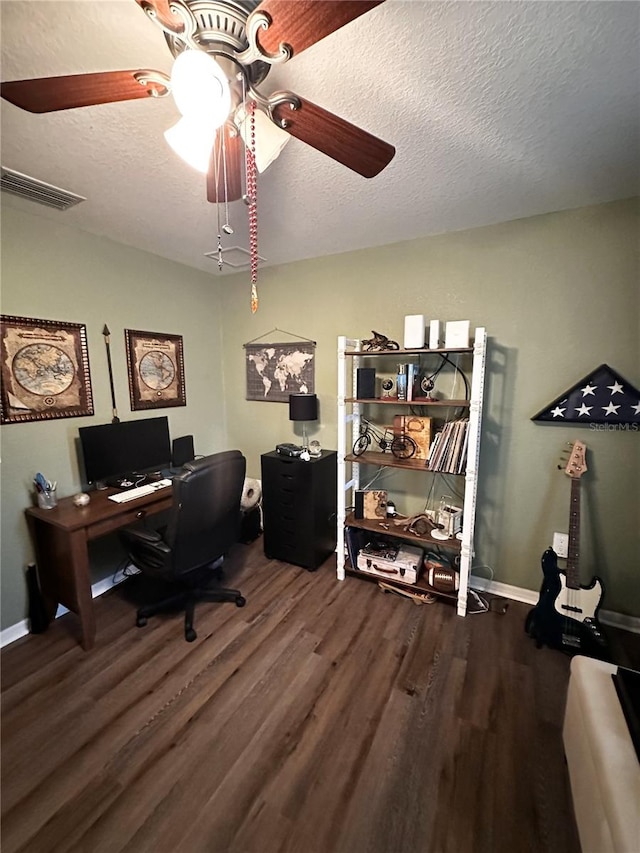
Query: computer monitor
116	450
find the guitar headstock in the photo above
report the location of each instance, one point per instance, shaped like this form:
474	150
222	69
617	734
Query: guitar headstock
577	464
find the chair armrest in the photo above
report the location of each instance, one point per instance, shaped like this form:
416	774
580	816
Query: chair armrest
147	549
141	534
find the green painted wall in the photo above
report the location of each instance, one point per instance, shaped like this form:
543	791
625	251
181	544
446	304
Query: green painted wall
51	271
558	295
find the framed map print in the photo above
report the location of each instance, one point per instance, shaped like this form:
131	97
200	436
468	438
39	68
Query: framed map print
45	370
276	370
155	365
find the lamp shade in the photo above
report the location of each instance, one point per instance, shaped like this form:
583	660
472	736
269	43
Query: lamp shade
269	138
303	407
192	140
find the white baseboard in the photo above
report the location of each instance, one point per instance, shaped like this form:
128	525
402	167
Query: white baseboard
620	620
20	629
13	633
515	593
528	596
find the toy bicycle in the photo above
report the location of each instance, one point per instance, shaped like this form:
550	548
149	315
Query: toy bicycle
401	446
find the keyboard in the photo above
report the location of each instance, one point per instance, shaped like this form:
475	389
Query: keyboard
139	492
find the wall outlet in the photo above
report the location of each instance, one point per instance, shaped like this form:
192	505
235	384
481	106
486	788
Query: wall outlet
561	544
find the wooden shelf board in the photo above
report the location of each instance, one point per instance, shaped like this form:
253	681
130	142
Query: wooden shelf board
422	585
393	401
417	351
425	541
388	460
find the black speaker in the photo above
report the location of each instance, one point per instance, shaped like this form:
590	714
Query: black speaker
251	525
366	383
358	510
355	539
38	619
182	451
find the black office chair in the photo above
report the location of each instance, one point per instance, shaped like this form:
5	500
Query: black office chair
203	525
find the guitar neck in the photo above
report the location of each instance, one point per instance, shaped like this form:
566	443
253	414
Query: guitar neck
573	571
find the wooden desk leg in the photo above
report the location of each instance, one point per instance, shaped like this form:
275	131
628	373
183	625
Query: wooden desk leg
63	569
82	582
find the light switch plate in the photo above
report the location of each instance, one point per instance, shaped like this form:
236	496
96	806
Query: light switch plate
561	544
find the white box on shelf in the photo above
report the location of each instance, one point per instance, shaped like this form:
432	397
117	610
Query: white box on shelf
450	517
456	334
414	330
435	330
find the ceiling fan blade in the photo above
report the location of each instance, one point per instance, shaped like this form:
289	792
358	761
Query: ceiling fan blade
350	145
163	14
48	94
233	151
306	22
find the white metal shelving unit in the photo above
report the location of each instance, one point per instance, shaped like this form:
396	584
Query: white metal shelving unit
350	358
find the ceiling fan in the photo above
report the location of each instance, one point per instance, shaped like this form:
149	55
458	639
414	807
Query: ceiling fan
244	38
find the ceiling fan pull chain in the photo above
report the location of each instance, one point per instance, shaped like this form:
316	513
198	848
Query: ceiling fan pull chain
216	175
245	113
226	227
219	244
253	213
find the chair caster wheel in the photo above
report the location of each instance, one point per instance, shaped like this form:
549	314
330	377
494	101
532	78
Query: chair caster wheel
190	635
141	621
241	601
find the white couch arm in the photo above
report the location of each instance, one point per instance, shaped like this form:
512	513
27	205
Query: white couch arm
603	766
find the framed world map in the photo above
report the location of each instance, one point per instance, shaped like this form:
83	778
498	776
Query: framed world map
45	370
155	364
276	370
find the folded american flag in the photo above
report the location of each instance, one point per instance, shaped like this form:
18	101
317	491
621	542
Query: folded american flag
602	397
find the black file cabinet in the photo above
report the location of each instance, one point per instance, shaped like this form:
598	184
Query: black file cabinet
299	504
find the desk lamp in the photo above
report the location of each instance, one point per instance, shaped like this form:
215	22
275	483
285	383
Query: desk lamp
303	407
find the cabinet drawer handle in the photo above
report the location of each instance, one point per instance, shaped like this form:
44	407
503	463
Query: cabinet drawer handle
142	513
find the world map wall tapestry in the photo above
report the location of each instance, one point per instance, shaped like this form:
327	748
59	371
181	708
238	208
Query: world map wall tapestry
155	364
44	369
602	397
276	370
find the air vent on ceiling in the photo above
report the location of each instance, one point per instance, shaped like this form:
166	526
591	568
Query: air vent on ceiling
234	256
26	187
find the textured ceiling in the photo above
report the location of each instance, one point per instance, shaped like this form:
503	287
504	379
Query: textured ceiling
497	110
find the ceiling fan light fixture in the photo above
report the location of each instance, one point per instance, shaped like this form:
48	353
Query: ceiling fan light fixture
269	138
192	140
200	87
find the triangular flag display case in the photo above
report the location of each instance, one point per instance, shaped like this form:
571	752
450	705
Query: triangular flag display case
602	397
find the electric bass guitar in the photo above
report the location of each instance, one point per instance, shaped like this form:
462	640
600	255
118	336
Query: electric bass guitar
566	615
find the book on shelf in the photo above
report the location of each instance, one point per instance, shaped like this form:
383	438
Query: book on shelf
412	375
448	450
462	464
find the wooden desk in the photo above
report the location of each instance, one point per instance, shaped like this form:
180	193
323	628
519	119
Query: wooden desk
60	539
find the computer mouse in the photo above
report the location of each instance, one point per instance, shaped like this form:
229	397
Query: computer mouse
125	484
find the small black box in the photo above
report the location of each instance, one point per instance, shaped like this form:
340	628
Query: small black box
182	451
251	526
366	383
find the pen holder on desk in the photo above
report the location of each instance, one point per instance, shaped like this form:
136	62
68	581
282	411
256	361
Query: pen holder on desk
48	499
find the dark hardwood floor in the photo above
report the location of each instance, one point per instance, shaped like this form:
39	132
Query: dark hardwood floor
324	717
